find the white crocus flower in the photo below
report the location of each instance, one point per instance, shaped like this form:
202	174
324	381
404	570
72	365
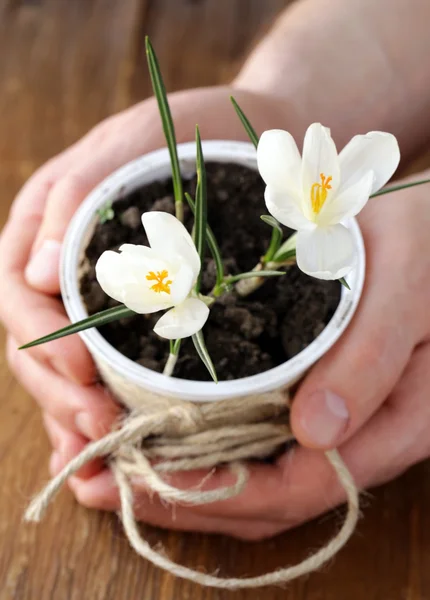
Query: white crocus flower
315	192
161	277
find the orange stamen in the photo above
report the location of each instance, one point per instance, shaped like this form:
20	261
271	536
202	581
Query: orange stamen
319	193
161	285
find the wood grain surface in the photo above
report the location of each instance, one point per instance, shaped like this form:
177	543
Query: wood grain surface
65	65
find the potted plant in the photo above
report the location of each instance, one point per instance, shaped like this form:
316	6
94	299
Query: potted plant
241	323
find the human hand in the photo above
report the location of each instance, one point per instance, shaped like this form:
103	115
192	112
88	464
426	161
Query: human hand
368	396
61	375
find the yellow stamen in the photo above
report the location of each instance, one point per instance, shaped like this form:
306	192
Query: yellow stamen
161	285
319	193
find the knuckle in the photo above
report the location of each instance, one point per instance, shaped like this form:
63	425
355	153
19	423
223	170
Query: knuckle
65	188
369	355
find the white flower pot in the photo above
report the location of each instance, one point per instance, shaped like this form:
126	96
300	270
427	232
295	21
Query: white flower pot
134	384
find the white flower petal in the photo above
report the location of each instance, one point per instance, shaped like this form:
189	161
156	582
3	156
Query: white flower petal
183	282
347	203
376	151
279	160
326	252
123	277
168	237
184	320
286	207
112	274
144	301
319	158
141	259
142	254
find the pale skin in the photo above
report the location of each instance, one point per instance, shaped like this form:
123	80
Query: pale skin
375	380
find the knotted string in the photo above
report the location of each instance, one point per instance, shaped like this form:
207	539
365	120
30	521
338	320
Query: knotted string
183	436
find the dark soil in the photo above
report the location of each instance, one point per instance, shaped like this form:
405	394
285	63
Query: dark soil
244	336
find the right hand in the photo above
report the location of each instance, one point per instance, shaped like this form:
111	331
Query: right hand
61	375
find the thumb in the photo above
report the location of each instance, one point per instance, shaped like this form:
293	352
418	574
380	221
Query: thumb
354	378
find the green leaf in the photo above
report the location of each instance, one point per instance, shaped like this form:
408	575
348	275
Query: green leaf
202	351
245	122
250	274
106	213
275	240
168	127
344	282
212	243
97	320
402	186
284	257
200	215
272	222
287	251
277	231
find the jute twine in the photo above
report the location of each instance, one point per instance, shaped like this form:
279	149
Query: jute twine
182	436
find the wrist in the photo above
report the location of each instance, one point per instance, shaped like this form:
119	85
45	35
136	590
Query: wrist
339	64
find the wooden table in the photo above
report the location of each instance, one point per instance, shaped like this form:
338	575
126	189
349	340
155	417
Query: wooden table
65	65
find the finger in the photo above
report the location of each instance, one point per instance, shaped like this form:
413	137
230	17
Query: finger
31	199
87	410
397	437
97	155
43	270
353	379
29	315
101	493
303	484
66	445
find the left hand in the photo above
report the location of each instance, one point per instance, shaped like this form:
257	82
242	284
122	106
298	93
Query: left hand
61	375
368	396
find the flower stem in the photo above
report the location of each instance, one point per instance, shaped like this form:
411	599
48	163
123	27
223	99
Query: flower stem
170	365
179	210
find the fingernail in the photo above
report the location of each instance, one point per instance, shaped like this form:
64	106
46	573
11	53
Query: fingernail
325	419
42	270
84	424
55	463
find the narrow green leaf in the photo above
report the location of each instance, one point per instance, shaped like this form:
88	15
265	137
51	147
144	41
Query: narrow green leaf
202	351
397	188
176	346
344	282
245	122
212	243
168	127
252	134
200	216
284	257
97	320
275	240
251	274
272	222
287	251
